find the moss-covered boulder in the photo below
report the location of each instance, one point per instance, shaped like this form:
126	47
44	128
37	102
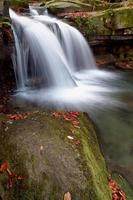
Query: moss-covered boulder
54	157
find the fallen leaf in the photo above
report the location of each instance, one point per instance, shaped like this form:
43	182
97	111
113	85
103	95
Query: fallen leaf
11	176
117	193
68	116
18	116
67	196
4	166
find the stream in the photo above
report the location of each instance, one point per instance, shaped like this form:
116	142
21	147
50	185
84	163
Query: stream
55	69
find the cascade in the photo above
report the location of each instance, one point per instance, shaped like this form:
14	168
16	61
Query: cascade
33	11
74	45
53	64
44	61
52	48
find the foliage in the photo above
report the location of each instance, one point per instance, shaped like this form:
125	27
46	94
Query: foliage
19	2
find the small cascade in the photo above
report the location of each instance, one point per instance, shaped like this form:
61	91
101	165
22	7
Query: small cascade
42	65
33	11
45	12
48	51
74	45
54	66
19	68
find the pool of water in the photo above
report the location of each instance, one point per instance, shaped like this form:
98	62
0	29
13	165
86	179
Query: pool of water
115	129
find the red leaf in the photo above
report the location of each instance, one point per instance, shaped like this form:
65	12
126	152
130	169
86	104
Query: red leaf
117	193
11	176
68	116
4	167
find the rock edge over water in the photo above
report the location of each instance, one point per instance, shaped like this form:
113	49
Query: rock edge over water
39	149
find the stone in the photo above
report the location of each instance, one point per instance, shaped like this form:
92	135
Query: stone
106	22
1	7
38	149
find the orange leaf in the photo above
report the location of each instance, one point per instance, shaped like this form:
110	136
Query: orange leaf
117	193
67	196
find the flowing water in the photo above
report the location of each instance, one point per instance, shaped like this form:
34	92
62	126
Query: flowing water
55	68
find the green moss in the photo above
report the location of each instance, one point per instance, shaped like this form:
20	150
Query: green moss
94	161
123	18
105	22
19	2
95	25
6	24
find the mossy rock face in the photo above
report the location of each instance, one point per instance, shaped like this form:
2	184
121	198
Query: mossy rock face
106	22
6	47
38	149
123	18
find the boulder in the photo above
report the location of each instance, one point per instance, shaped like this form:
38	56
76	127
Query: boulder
54	157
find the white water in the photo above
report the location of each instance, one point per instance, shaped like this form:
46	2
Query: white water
54	66
33	11
44	62
75	47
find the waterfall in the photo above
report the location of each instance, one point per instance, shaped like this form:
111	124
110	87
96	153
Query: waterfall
44	63
54	65
48	51
74	45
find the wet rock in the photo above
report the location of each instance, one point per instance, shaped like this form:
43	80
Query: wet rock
6	49
6	5
1	7
38	149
